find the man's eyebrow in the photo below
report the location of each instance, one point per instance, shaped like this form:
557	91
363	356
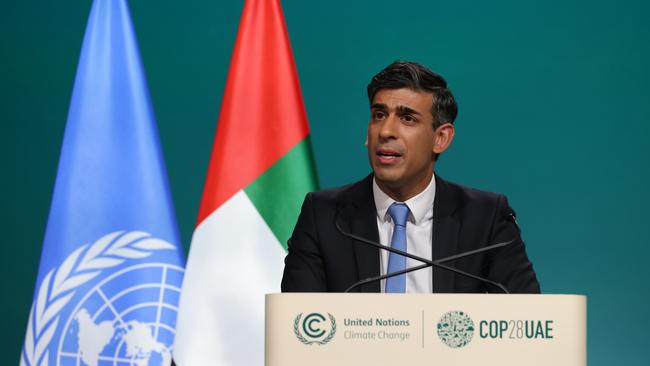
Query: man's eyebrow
406	110
378	106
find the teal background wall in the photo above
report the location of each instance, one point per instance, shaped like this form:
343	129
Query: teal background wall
554	112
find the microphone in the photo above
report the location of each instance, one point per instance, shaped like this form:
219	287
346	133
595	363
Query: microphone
510	215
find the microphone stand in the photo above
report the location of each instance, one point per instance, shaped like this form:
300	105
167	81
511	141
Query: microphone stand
427	263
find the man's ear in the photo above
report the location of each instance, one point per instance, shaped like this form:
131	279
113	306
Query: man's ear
443	135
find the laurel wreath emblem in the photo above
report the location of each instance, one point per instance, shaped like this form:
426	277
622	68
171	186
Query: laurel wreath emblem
301	338
60	284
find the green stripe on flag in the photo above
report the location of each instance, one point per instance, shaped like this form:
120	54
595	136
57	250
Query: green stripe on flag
278	193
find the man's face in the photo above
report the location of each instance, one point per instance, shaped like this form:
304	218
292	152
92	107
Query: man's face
401	140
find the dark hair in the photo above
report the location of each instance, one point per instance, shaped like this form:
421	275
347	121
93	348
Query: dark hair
411	75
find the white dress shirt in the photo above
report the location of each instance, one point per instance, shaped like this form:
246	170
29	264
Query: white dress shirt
418	234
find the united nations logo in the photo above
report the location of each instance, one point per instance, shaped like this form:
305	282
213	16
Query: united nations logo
455	329
313	329
103	305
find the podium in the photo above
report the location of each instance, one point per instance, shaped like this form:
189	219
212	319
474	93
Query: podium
425	329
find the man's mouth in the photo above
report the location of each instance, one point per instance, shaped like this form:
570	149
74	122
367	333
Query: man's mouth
388	156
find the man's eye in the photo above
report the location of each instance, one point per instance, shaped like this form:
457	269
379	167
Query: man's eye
408	118
378	115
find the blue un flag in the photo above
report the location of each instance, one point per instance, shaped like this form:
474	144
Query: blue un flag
111	267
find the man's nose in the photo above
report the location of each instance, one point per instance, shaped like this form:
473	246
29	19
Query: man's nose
388	128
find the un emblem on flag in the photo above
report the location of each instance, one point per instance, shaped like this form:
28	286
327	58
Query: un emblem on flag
104	306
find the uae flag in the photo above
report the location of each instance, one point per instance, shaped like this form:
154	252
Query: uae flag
260	169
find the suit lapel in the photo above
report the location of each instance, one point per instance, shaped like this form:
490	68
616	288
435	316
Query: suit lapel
446	227
357	211
357	214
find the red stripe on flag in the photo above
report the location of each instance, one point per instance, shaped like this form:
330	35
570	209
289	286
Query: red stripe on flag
262	114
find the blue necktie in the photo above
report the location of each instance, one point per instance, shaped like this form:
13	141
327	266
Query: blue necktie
398	212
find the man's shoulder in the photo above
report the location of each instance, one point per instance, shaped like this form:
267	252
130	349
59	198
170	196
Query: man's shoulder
453	196
472	193
360	189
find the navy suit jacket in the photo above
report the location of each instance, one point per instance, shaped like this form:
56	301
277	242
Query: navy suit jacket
322	259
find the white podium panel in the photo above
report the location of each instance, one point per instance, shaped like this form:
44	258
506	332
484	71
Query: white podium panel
425	329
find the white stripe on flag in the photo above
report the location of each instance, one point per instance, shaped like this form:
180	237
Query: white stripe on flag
234	261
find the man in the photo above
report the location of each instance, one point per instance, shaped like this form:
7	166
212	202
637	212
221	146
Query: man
403	204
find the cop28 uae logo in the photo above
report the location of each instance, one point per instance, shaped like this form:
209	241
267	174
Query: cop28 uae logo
314	328
455	329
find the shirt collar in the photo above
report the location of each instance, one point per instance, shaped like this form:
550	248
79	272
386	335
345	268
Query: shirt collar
421	205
